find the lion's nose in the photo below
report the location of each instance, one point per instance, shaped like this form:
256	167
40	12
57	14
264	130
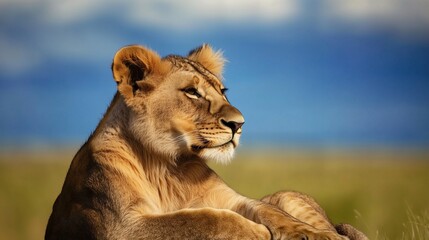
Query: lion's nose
233	125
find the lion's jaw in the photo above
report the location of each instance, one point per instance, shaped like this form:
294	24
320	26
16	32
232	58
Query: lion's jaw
177	137
222	154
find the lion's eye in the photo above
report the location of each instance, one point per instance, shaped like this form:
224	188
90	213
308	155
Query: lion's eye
192	93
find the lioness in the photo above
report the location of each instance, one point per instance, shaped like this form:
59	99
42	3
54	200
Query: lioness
142	174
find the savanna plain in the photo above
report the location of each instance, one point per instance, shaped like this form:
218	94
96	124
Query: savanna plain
383	192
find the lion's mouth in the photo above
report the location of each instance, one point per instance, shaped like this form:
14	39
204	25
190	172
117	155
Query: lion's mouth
199	148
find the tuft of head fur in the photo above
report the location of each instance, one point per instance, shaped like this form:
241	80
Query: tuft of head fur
210	59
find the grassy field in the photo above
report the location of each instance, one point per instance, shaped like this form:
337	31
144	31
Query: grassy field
383	193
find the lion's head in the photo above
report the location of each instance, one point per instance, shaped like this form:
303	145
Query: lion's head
178	104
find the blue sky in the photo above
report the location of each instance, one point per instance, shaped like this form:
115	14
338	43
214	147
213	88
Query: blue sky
304	73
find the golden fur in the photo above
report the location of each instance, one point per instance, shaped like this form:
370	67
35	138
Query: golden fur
142	174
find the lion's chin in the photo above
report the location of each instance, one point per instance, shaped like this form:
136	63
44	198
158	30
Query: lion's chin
222	154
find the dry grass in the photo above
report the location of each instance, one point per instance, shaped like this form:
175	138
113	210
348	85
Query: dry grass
372	190
417	226
383	193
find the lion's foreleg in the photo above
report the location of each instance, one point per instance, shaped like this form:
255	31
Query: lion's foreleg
301	207
205	223
307	210
280	224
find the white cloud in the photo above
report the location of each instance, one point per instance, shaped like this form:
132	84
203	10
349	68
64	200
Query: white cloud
58	24
171	14
58	27
71	11
190	14
21	3
401	15
193	14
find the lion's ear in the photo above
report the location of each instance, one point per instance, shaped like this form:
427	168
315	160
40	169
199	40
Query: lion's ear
210	59
132	64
